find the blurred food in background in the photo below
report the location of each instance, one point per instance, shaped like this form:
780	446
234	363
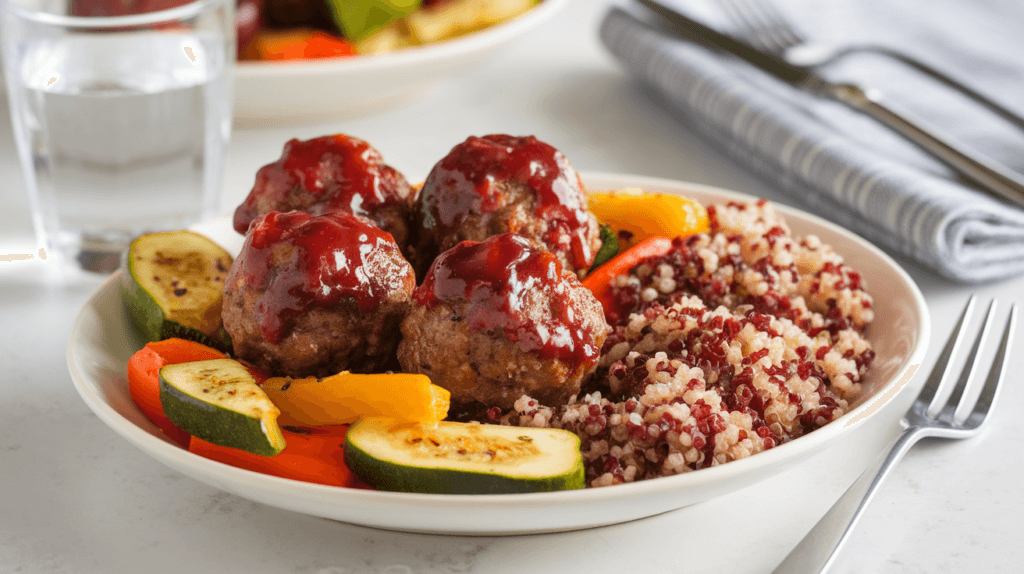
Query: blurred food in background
307	29
299	29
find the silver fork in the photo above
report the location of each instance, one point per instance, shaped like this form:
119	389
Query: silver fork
761	24
931	415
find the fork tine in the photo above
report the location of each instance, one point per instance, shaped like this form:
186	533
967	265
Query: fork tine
749	26
737	16
955	409
761	24
746	26
779	26
990	391
940	372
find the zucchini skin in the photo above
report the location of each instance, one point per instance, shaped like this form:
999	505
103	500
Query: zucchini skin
171	330
150	319
144	312
446	481
229	431
256	431
407	476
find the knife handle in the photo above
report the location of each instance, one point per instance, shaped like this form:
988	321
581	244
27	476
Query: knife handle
992	176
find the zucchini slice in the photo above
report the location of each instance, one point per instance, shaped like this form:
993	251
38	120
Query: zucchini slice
174	287
219	401
462	458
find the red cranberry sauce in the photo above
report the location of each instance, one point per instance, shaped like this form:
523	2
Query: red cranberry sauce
301	261
466	181
495	276
335	173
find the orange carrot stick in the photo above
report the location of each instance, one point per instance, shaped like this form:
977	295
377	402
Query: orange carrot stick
600	280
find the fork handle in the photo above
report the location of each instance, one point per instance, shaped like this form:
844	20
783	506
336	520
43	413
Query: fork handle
818	549
994	177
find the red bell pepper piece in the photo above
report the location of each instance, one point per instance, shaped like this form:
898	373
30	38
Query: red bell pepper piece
312	454
144	378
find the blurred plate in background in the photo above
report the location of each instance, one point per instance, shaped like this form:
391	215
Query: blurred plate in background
292	92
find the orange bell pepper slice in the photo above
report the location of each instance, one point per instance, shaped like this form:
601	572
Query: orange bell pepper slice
642	214
345	397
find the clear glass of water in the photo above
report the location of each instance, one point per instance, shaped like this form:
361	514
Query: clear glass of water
122	120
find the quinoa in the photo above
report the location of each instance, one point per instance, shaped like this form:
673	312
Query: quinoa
735	341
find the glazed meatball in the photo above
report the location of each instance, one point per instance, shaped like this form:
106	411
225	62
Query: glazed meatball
497	184
498	319
328	174
313	295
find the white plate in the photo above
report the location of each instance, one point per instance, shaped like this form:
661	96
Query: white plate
101	342
277	93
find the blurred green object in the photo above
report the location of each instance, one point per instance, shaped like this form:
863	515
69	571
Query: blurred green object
360	18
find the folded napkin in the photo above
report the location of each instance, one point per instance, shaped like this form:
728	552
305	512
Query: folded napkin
837	162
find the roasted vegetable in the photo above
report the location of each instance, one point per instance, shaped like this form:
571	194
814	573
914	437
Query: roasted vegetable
297	44
311	455
345	397
456	17
463	458
360	18
144	378
220	402
609	247
600	281
642	214
173	287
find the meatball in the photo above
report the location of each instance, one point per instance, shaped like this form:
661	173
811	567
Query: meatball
497	184
313	295
498	319
328	174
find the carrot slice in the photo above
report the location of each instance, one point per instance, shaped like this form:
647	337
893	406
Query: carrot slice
600	280
313	454
144	379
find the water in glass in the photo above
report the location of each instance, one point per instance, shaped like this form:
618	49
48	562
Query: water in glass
126	134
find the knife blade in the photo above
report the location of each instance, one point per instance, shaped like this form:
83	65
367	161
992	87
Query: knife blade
991	176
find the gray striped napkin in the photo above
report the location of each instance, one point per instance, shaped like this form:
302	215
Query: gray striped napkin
840	164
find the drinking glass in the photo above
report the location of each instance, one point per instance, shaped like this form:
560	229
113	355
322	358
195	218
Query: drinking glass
121	121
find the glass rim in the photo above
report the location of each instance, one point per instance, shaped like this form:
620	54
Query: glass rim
94	22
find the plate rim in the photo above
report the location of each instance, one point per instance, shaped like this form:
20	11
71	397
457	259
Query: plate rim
797	449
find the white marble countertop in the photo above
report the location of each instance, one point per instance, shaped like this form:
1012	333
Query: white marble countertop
78	498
